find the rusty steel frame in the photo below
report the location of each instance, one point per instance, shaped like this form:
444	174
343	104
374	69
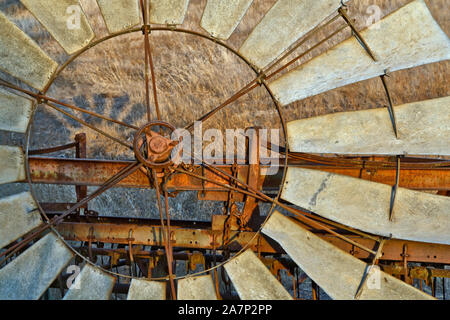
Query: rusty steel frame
209	236
89	172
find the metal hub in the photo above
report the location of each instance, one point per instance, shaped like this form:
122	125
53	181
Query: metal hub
153	146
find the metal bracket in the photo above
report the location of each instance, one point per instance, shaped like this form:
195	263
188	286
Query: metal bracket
394	190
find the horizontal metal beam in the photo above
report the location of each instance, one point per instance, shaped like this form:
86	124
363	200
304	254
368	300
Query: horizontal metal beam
181	237
200	236
95	172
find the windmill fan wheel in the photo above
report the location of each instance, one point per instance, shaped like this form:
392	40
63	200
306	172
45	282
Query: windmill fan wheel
356	201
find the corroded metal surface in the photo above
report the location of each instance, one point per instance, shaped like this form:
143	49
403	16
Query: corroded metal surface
252	280
393	249
15	112
107	228
423	127
394	48
29	275
197	288
65	20
91	284
430	179
11	164
168	11
22	58
336	272
147	290
18	215
365	205
120	14
286	21
220	18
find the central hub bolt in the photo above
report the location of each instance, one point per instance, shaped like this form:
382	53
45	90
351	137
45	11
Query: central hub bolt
158	144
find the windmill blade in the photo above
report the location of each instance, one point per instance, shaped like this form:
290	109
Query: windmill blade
22	58
15	112
252	279
18	216
221	18
168	11
424	129
286	22
120	15
407	38
196	288
11	164
146	290
64	20
364	205
338	273
29	275
91	284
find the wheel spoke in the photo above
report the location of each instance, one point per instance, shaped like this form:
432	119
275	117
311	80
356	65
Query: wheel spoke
147	81
262	77
169	245
40	97
296	46
152	72
149	63
122	174
166	231
305	53
261	196
223	185
89	125
249	87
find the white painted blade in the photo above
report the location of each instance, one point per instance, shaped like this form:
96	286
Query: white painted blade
407	38
91	284
286	22
338	273
197	288
18	215
252	280
120	15
29	275
364	205
168	11
15	112
12	167
146	290
221	18
22	58
423	129
64	20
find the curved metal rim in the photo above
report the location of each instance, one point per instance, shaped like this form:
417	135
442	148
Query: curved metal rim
114	35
